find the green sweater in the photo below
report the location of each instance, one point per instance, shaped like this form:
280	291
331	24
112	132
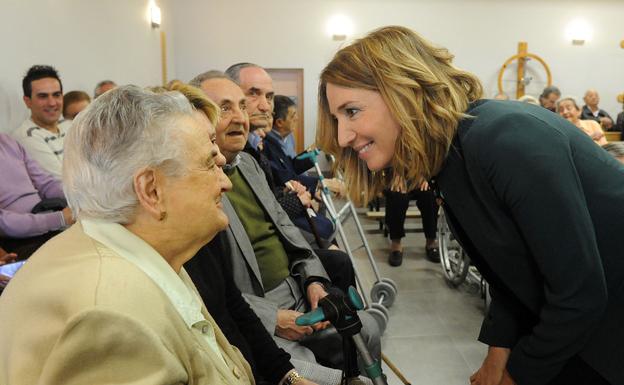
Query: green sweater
270	254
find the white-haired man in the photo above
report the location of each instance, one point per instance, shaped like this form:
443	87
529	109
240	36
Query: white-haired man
274	267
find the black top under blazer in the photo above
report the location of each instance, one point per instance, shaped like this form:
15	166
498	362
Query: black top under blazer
539	207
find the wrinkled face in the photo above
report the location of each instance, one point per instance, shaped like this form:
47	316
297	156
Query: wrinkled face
257	86
550	101
289	124
45	102
193	200
364	124
592	98
568	110
72	109
233	126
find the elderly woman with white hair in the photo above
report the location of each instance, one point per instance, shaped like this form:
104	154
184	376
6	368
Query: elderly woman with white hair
107	301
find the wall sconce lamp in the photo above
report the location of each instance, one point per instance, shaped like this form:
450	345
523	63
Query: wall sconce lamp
578	31
339	27
155	15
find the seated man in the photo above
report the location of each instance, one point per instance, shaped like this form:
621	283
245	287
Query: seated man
42	135
273	266
24	186
113	303
284	123
591	111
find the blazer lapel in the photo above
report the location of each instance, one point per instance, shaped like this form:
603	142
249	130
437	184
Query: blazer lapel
241	237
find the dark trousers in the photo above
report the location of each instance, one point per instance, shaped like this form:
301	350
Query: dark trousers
25	247
577	372
397	204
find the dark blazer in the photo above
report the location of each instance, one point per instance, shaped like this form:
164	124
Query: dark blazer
305	266
211	272
286	168
586	114
539	208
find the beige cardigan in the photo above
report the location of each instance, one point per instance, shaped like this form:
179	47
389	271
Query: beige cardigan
77	313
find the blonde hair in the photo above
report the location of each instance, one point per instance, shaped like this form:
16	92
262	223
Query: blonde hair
197	98
424	92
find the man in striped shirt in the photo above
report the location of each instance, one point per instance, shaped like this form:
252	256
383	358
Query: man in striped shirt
42	135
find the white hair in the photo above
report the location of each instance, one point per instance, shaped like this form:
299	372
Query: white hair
121	132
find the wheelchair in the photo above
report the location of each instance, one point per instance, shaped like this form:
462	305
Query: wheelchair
455	263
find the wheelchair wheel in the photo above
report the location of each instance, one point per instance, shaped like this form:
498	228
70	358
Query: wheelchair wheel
453	258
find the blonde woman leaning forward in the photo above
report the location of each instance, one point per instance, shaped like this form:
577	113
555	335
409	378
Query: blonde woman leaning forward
537	205
569	110
108	301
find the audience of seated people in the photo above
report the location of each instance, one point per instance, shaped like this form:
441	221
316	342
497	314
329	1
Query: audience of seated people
591	111
42	134
74	102
568	109
260	273
274	267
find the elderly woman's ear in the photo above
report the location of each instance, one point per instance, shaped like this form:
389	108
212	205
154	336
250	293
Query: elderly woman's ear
148	185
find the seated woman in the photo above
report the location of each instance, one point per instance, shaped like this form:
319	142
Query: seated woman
113	302
567	108
24	186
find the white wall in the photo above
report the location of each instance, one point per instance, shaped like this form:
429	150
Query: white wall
481	33
86	40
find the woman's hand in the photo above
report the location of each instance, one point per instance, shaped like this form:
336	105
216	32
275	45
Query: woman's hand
492	371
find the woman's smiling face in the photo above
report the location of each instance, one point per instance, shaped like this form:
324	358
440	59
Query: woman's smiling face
364	123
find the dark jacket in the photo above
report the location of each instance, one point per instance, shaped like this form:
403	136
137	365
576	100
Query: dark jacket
586	114
539	207
286	168
211	272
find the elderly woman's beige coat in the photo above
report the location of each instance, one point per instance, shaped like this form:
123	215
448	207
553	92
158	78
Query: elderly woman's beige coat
88	316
